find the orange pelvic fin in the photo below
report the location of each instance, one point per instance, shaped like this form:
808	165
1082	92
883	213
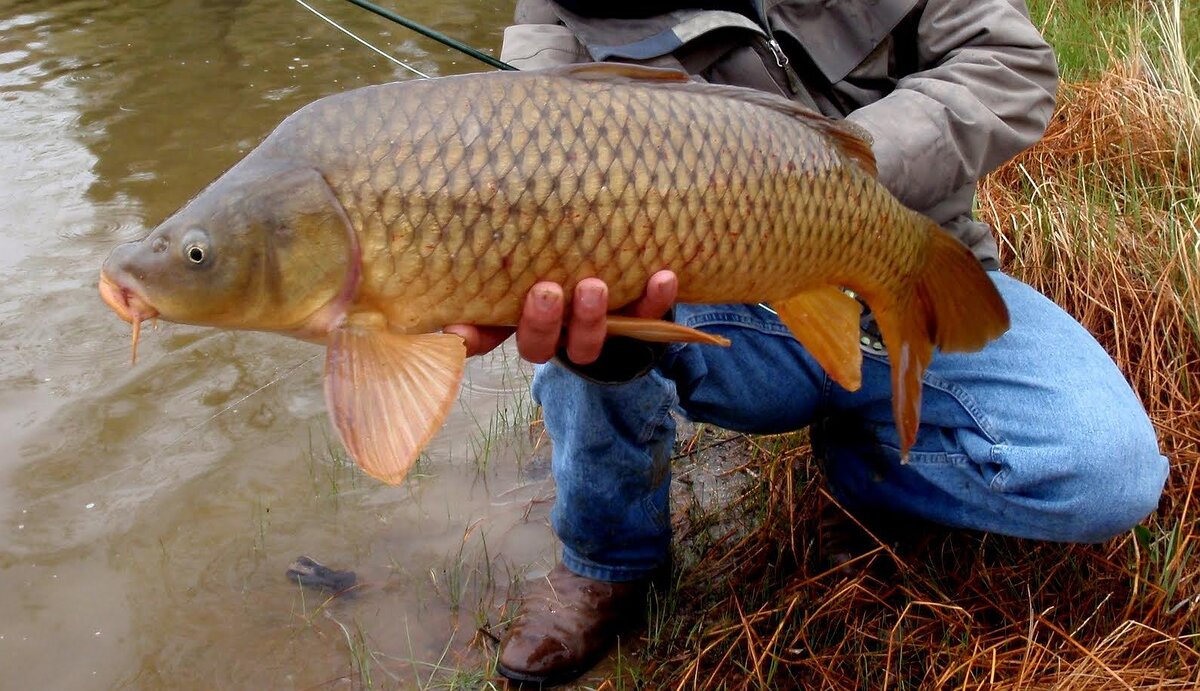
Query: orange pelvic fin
659	331
953	305
389	394
826	321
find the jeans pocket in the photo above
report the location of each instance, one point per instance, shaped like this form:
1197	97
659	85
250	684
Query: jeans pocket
996	468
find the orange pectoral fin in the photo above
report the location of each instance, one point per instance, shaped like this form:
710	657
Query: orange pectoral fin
389	394
826	321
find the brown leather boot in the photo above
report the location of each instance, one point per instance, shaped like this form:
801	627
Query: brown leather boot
565	625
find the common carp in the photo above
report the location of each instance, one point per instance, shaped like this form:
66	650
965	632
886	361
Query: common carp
368	220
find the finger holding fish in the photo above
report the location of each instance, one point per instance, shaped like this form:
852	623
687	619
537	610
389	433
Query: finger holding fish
541	322
589	309
536	329
661	291
480	340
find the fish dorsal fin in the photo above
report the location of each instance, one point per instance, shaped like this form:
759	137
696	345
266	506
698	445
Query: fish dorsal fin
854	141
826	321
849	138
388	394
619	71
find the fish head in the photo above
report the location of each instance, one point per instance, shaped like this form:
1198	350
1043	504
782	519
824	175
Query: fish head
265	247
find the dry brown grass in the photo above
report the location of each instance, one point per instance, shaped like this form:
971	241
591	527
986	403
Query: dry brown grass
1103	217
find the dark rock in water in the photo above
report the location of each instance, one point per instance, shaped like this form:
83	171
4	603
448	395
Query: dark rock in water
309	572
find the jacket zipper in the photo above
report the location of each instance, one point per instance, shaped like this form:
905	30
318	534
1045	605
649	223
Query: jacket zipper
781	58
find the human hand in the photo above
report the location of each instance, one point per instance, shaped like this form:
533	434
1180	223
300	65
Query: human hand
540	329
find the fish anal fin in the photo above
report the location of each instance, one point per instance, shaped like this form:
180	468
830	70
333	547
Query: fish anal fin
610	71
659	331
826	322
388	394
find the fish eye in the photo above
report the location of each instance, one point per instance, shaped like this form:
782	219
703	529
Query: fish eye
195	247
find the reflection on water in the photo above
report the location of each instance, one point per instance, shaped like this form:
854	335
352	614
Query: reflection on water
149	513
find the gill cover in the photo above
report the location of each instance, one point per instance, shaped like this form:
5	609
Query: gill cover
265	247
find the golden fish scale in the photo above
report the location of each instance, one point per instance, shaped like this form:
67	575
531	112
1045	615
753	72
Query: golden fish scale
466	191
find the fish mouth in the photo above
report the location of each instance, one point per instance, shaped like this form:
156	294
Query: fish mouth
128	305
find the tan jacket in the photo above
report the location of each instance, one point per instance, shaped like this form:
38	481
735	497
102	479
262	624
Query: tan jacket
948	89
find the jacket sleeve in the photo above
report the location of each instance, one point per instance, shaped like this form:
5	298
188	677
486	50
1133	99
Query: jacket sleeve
536	40
983	91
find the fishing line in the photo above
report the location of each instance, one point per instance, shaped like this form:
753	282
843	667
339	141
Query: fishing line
352	35
435	35
239	401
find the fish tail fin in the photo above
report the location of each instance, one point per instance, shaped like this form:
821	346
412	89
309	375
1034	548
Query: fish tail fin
953	305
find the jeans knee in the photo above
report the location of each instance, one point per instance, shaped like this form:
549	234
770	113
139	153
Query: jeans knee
549	382
1113	486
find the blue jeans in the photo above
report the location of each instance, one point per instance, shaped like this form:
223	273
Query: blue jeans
1038	435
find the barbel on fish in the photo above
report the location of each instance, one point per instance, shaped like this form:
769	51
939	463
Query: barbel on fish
368	220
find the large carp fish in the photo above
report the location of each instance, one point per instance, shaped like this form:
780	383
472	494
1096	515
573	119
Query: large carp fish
368	220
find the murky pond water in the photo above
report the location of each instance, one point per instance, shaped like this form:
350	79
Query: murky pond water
147	514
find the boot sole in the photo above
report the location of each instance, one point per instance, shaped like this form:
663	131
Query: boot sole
552	679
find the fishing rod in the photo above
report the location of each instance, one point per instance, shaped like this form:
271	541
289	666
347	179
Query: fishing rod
354	36
435	35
